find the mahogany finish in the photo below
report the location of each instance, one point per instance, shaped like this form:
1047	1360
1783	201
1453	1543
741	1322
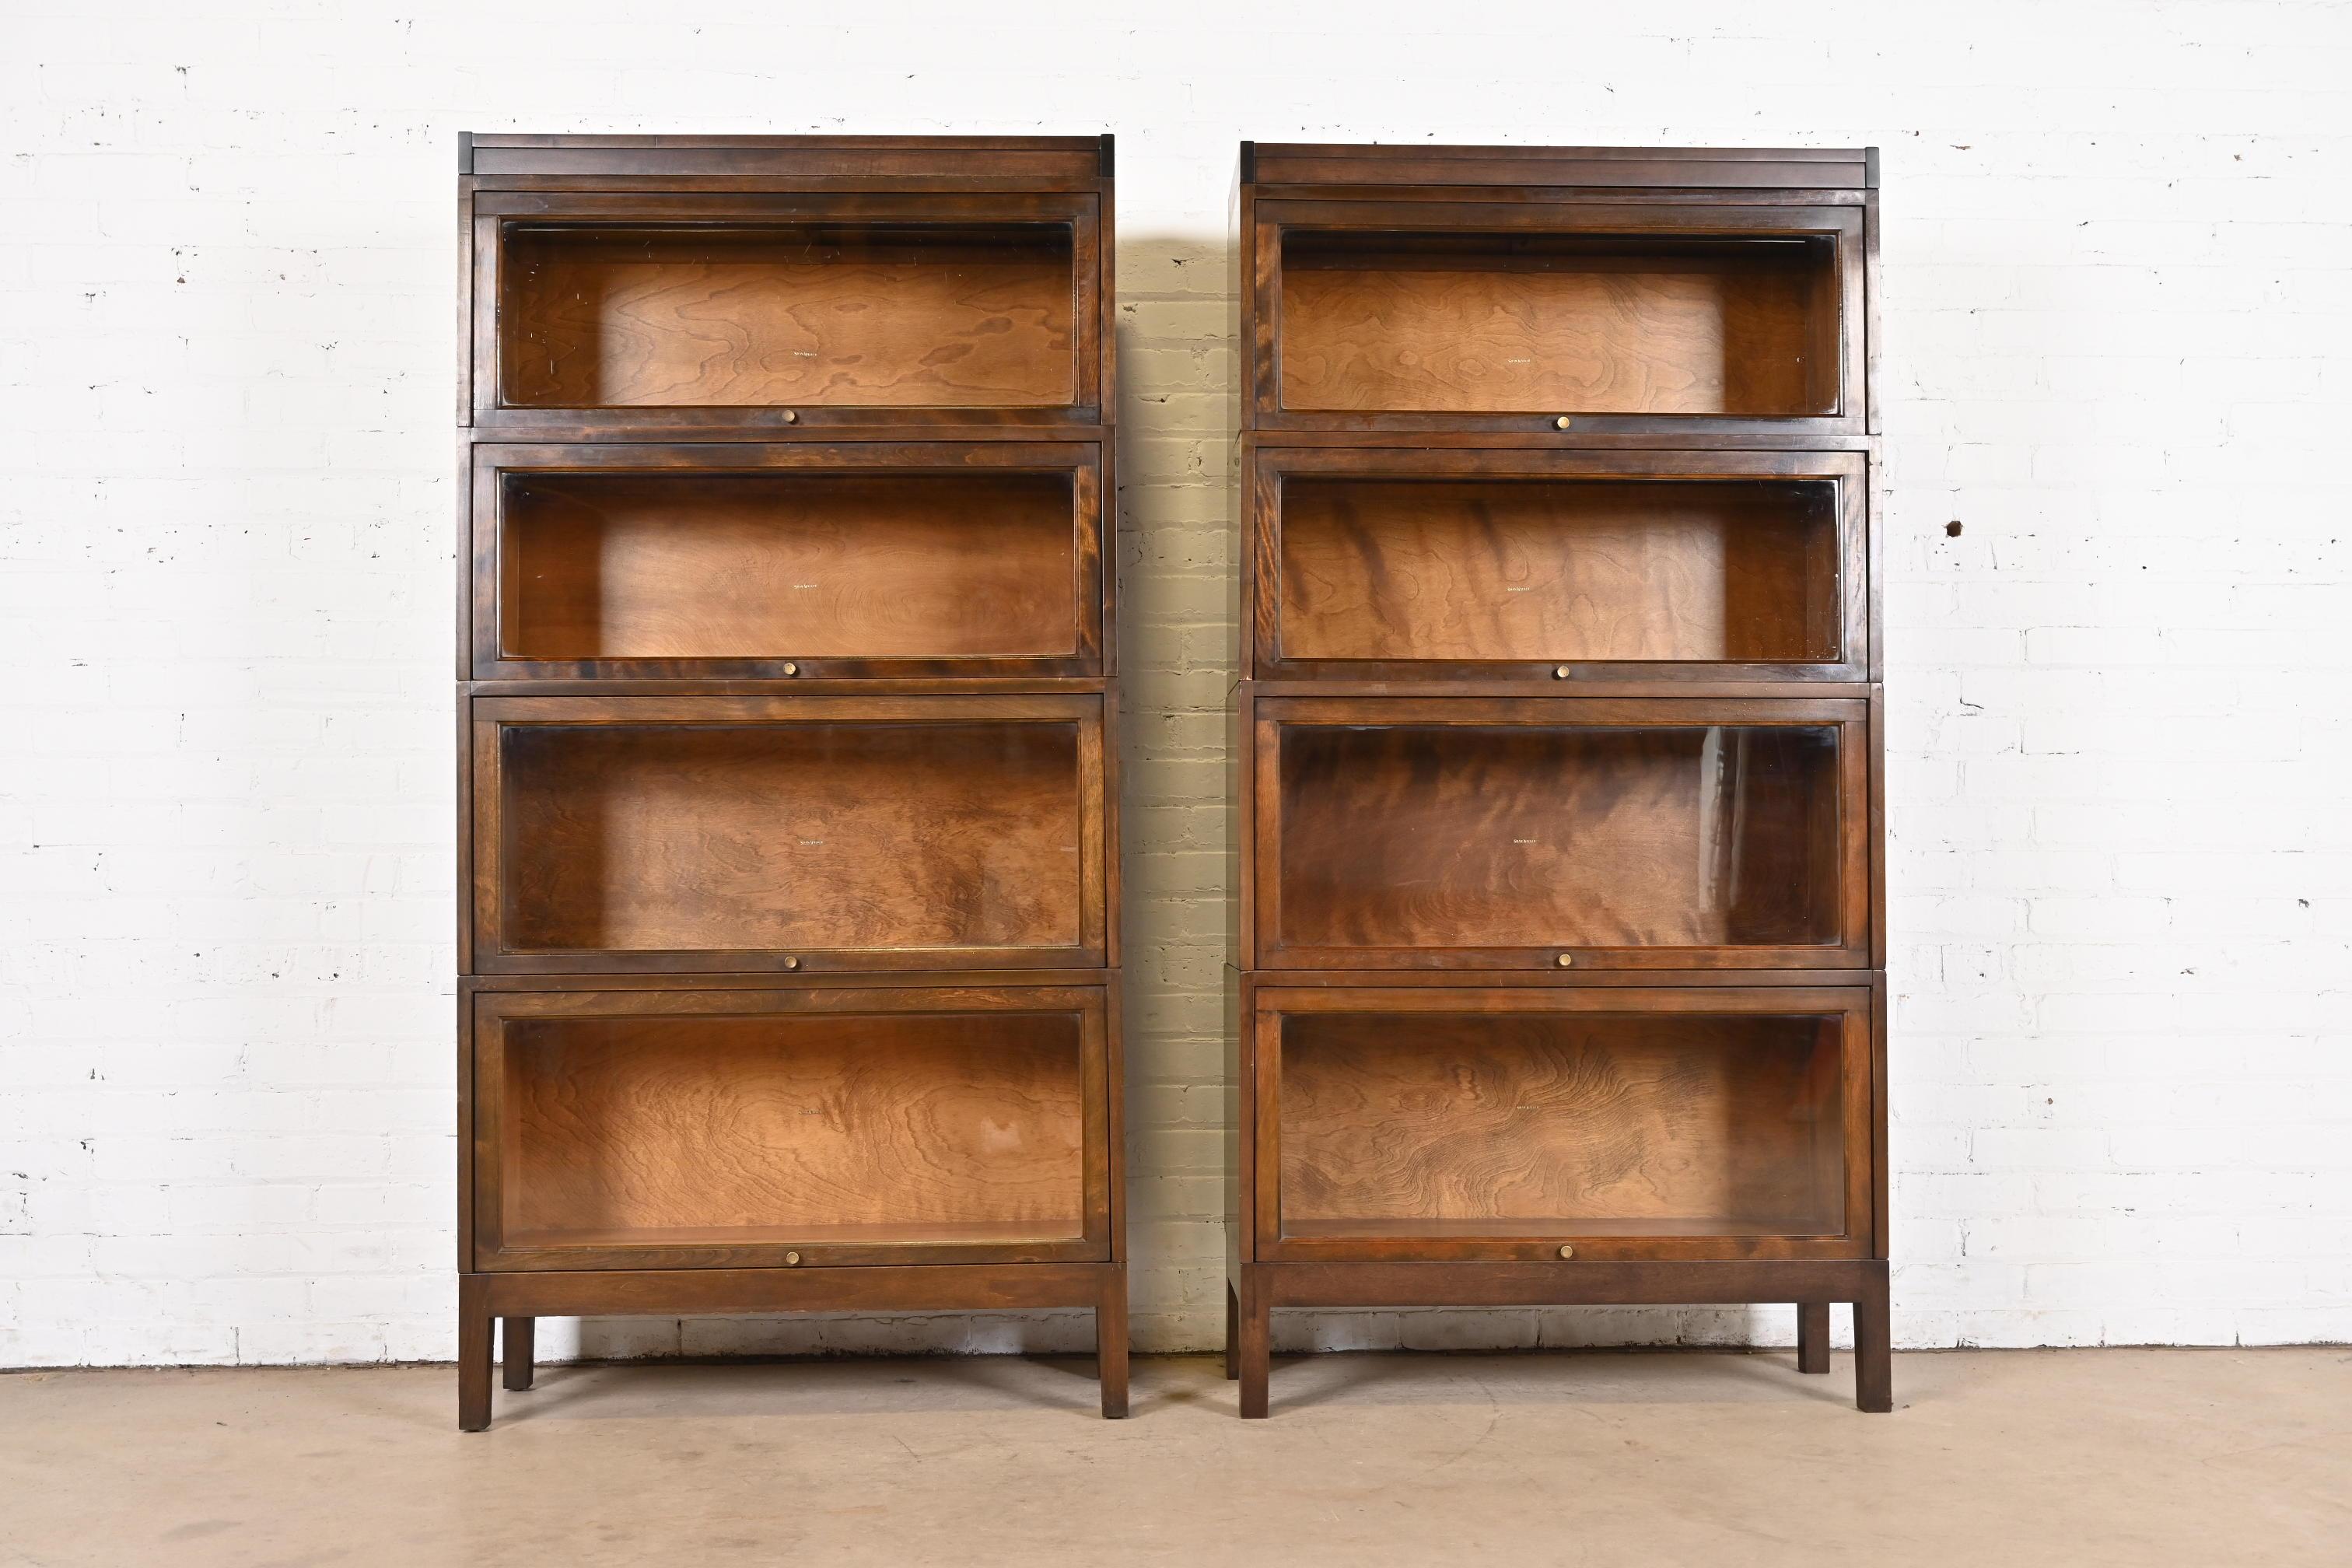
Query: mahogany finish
1514	322
649	832
889	316
639	1129
1477	1122
750	566
1404	570
1559	916
1370	564
1457	832
1449	838
927	560
1400	309
1618	1125
785	678
967	299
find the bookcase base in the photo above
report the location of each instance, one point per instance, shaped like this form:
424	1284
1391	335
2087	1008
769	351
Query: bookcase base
1256	1289
521	1297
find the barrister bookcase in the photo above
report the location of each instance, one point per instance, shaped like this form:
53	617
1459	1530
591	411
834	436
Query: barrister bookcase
788	853
1558	921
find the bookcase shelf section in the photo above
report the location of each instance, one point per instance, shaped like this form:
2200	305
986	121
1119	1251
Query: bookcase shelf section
1476	1123
654	1128
1470	322
782	562
1444	833
809	314
711	831
1402	566
1419	312
804	312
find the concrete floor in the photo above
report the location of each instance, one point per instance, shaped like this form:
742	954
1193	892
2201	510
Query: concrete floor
2080	1457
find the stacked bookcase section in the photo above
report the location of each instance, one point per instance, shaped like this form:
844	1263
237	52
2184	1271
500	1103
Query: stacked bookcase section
788	924
1559	932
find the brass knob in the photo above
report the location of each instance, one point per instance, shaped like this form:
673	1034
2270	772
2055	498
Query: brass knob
1565	1250
1561	672
1566	960
791	417
791	668
1562	423
791	964
790	1258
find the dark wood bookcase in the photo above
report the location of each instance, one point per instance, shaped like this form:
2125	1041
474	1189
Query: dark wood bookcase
788	925
1560	916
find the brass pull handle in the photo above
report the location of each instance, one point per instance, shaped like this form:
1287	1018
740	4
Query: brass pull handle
791	668
794	1257
1561	672
1566	960
1566	1250
1562	423
790	416
791	964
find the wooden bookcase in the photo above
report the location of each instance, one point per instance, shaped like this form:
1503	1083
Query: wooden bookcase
1560	922
788	922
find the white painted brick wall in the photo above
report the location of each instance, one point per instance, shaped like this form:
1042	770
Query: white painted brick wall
2118	267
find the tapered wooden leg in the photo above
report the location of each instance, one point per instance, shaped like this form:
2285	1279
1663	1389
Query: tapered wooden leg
473	1352
1233	1332
1110	1342
1257	1342
1873	1347
1813	1336
515	1336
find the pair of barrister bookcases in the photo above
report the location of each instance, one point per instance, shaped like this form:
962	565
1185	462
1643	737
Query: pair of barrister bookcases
788	769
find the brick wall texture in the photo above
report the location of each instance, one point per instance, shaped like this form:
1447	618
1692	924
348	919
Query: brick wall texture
2118	367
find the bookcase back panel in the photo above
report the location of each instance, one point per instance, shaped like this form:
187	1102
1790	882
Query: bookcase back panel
718	1131
1423	836
699	565
1590	1124
814	315
874	837
1469	322
1480	571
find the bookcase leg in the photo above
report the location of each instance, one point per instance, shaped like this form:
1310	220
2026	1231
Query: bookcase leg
1873	1347
1813	1336
515	1338
474	1326
1256	1348
1233	1332
1110	1342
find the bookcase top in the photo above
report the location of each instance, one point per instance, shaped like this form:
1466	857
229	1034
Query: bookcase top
1678	168
508	154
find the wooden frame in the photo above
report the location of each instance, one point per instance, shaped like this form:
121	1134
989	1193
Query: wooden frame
658	461
1270	717
1450	290
1839	227
1849	1006
499	214
1084	626
495	1011
792	718
1269	473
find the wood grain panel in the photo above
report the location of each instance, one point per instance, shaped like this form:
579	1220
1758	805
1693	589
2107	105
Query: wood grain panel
717	566
1470	570
1526	836
1602	1124
1538	323
766	836
737	1130
809	314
